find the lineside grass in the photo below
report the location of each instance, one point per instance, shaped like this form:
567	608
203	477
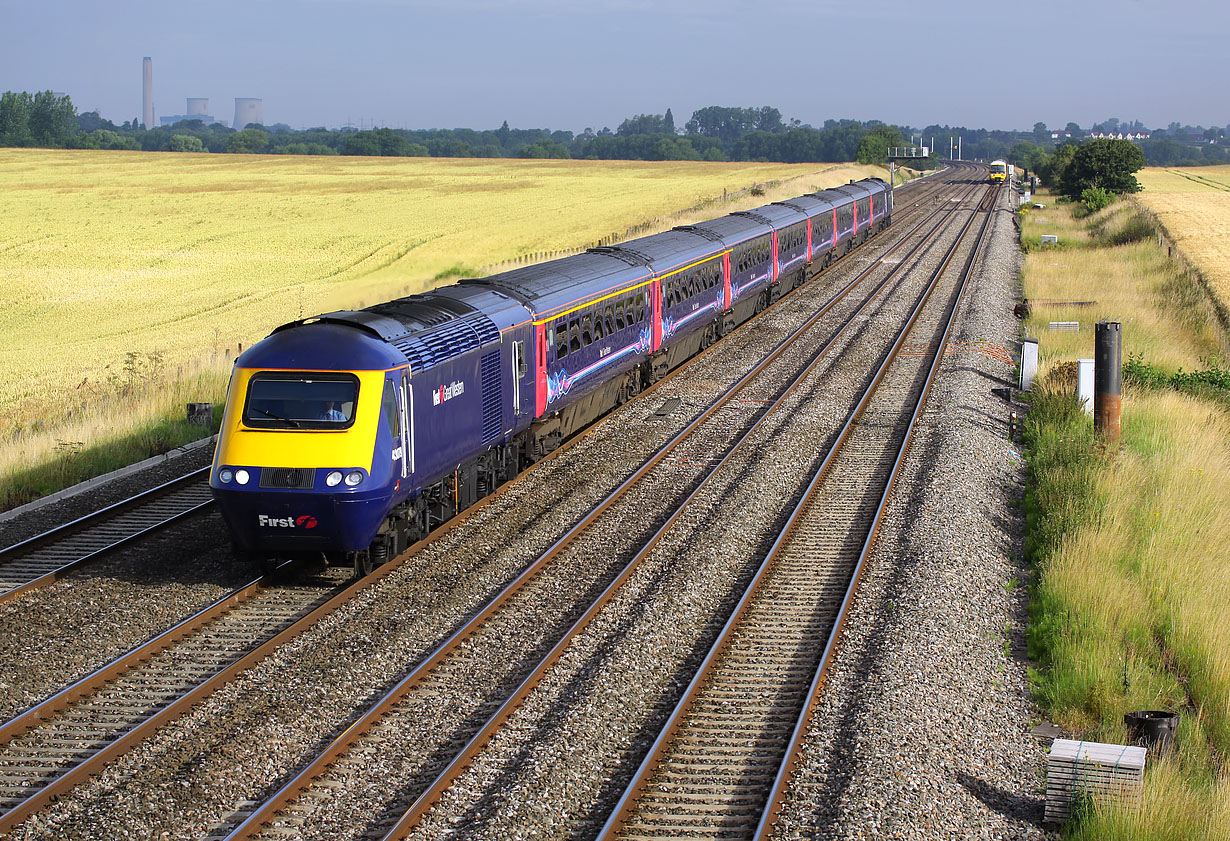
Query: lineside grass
1132	564
174	261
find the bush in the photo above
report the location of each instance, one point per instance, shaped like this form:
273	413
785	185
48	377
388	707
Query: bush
185	143
1096	198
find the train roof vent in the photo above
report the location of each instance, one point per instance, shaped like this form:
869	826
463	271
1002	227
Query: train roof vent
430	347
700	232
426	310
751	215
630	256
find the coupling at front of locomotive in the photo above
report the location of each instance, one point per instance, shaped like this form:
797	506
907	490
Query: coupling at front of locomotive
309	456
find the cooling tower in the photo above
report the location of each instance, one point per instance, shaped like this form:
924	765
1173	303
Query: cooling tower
248	111
198	106
147	92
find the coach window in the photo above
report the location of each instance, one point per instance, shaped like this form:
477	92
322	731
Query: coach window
609	313
642	299
599	327
619	314
561	338
587	329
574	335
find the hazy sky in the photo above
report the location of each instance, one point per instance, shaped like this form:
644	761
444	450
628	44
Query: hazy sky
567	65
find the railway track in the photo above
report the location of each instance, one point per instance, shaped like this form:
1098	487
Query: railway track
455	660
114	745
48	557
56	743
720	765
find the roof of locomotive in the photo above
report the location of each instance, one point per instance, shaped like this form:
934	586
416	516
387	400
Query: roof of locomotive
422	330
322	346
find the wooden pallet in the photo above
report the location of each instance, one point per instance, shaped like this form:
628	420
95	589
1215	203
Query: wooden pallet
1106	773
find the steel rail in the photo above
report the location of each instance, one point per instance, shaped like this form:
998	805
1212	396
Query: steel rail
78	528
794	748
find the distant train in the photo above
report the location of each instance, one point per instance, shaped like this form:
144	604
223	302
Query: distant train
352	434
1000	171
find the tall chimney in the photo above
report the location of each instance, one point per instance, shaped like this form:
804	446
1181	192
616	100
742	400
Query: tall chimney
147	92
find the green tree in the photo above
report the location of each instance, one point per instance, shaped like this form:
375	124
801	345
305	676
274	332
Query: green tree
873	148
1106	163
248	141
107	139
646	124
1050	168
544	148
1096	198
15	119
668	122
185	143
53	120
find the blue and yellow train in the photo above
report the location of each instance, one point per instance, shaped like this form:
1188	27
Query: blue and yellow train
352	434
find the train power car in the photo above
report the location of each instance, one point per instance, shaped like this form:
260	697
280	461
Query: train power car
349	435
998	172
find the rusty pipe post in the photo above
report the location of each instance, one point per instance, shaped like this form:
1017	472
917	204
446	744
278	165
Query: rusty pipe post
1107	379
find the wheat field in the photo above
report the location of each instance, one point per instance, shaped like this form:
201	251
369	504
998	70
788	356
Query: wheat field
179	256
1193	204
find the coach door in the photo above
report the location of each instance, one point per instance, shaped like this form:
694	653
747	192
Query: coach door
520	368
407	424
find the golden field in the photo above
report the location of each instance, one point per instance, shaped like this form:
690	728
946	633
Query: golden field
1193	204
139	273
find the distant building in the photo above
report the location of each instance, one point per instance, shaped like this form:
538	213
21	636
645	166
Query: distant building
197	108
1102	135
204	118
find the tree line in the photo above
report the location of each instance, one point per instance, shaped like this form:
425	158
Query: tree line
714	133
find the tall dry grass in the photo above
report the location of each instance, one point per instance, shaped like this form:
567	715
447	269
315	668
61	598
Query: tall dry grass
1129	607
1166	318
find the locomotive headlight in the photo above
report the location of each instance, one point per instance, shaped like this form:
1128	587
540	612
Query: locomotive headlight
334	479
354	477
225	475
241	476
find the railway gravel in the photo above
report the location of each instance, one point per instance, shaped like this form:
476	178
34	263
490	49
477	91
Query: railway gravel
55	635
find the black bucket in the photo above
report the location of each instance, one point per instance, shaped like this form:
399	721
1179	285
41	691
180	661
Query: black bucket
1152	728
